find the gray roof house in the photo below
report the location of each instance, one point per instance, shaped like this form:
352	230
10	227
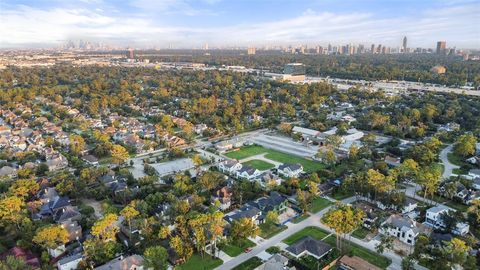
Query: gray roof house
311	246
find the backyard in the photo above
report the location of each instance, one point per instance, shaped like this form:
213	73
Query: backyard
360	233
252	150
314	232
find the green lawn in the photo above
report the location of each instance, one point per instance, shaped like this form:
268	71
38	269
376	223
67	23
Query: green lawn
366	254
267	230
252	150
340	195
249	264
197	262
360	233
259	164
236	248
314	232
318	204
455	159
300	218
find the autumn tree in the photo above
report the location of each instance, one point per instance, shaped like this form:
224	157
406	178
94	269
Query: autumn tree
244	228
51	236
119	154
77	144
106	228
129	213
24	188
183	249
11	210
429	178
343	219
465	145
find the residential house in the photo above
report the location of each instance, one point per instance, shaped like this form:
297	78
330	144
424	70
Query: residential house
290	170
73	228
474	173
245	212
309	246
247	172
275	202
268	179
224	197
132	262
307	134
433	218
229	166
409	205
392	161
403	228
90	160
8	172
70	262
276	262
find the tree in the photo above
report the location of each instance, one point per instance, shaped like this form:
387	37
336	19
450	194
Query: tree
303	198
343	219
272	218
167	123
155	257
119	154
99	251
77	144
313	188
164	232
181	248
408	263
51	236
456	251
13	263
210	180
105	228
473	213
353	151
129	212
197	160
379	182
24	188
244	228
421	245
429	179
11	209
465	145
386	243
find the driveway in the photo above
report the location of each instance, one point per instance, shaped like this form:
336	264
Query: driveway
447	172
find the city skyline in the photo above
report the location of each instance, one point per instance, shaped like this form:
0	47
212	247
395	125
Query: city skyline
192	24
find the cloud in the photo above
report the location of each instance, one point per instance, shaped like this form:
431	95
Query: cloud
20	25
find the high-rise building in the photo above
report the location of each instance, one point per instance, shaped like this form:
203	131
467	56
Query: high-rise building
251	51
441	47
130	54
404	47
205	47
372	49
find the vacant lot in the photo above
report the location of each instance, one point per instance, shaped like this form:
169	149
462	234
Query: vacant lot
236	248
314	232
269	230
252	150
259	164
318	204
249	264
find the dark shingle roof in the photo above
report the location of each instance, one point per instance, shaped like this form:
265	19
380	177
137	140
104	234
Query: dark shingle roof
310	244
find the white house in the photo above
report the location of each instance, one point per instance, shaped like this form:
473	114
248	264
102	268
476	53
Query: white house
473	173
409	205
229	166
69	262
433	218
404	229
290	170
306	132
247	172
476	183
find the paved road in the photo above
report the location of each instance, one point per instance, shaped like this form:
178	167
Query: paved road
447	172
313	220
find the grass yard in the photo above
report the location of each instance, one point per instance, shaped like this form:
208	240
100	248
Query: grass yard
249	264
252	150
366	254
300	218
360	233
314	232
319	204
340	195
259	164
455	159
197	262
267	230
234	249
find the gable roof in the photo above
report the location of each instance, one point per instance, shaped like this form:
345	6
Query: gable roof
292	167
310	244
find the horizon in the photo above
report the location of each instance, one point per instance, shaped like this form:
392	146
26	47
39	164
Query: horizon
183	24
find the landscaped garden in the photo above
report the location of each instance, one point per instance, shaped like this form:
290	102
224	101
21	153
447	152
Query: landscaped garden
197	262
314	232
252	150
237	247
259	164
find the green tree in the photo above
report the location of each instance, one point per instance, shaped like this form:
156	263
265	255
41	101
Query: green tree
465	145
119	154
343	219
155	257
244	228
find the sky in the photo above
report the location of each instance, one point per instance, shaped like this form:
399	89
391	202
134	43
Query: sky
193	23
